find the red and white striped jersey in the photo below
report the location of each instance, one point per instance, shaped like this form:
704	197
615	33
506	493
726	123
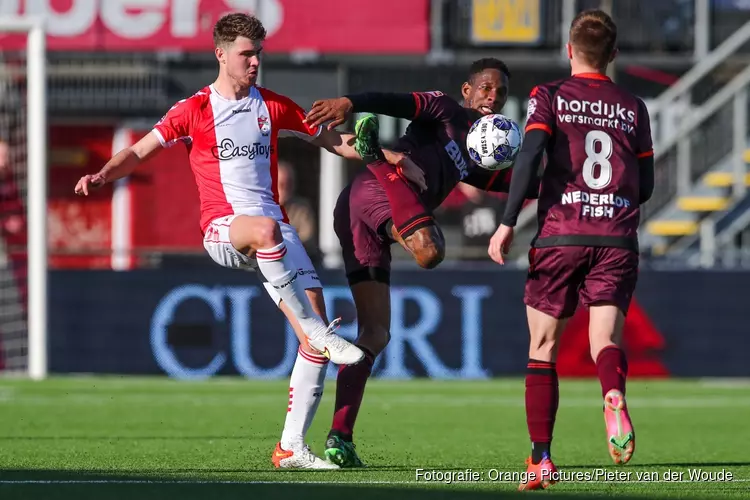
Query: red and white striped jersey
232	145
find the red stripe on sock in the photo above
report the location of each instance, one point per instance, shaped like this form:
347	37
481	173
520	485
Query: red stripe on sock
272	258
277	249
418	221
312	358
271	255
274	252
540	365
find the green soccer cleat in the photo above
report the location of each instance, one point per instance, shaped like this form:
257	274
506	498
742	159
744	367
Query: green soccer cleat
342	453
367	138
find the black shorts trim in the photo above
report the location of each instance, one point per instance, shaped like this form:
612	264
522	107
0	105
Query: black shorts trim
377	274
587	240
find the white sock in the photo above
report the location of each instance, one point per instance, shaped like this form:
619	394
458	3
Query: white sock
281	273
305	393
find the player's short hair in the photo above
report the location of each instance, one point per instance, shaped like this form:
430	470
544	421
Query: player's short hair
593	35
231	26
480	65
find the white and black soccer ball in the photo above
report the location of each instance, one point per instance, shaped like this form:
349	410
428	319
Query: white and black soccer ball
494	142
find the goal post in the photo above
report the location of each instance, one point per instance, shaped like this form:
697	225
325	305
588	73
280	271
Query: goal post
36	176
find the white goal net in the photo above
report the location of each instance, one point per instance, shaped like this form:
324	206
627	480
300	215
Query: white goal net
23	186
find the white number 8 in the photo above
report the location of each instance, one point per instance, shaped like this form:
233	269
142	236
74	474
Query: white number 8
601	158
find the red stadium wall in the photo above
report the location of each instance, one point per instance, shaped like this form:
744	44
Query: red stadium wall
80	229
642	342
324	26
155	209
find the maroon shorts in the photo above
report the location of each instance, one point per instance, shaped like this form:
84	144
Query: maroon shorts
559	276
361	212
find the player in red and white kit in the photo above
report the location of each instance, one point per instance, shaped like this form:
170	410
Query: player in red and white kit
600	169
230	129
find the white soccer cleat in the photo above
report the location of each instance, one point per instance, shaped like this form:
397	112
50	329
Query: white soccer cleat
299	457
335	347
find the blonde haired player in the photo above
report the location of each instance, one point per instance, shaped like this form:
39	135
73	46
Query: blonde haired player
230	129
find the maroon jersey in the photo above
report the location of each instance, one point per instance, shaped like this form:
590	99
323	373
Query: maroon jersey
590	185
436	141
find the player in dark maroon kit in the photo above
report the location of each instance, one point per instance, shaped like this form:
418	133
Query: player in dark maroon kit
379	208
600	169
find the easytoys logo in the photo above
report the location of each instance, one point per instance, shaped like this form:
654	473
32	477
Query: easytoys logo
227	150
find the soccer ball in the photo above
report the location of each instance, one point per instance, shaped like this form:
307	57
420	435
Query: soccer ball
494	142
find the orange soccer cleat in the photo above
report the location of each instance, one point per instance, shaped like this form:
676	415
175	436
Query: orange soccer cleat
539	476
298	457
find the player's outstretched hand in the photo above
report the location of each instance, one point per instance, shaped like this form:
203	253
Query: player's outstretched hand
406	168
336	111
89	183
500	243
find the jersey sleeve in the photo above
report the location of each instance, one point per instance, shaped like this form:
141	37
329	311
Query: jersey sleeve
287	116
397	105
435	106
540	114
643	132
175	126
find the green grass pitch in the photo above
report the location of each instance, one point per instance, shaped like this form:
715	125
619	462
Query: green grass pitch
154	438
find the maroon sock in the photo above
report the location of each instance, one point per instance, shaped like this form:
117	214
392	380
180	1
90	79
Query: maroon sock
350	387
408	212
612	368
542	399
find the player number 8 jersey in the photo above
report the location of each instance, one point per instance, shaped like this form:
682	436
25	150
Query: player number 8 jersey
590	184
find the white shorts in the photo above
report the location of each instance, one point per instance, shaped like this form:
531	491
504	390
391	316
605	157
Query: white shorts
217	244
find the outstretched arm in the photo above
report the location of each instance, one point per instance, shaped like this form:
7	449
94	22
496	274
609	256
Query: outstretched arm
120	165
383	103
338	110
342	144
174	127
338	143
